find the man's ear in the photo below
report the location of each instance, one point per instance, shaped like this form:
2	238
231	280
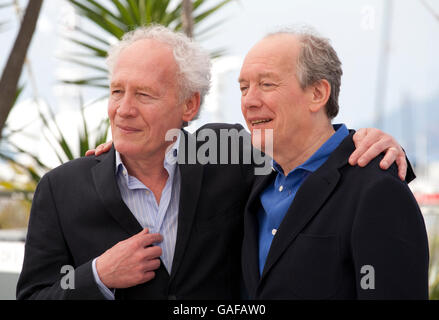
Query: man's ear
319	95
191	106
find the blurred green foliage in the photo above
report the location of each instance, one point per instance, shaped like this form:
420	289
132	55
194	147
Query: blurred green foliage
114	18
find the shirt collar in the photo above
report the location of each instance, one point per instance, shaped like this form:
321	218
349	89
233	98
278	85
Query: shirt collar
169	162
322	154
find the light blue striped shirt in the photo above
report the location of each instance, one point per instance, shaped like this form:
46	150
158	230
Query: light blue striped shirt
157	217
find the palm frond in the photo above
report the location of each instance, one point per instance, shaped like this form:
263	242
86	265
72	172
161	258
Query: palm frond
126	15
116	17
96	82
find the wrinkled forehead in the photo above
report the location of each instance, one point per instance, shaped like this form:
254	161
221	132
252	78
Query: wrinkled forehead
277	53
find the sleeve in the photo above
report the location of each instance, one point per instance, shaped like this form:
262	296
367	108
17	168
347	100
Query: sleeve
109	295
410	176
49	271
389	243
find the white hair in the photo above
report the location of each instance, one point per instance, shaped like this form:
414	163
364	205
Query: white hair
192	60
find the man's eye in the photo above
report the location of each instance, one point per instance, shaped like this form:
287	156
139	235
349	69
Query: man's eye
143	97
243	89
267	84
116	93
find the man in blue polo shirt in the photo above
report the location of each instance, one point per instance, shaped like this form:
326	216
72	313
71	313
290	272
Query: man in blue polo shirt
318	228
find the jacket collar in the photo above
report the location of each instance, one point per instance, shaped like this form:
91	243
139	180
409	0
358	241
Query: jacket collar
191	180
106	187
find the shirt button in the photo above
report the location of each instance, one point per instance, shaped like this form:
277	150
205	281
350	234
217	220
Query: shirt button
124	172
281	188
147	191
273	232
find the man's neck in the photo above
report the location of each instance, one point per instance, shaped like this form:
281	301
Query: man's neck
151	172
301	149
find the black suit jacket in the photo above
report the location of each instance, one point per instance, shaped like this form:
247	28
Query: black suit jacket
342	218
78	213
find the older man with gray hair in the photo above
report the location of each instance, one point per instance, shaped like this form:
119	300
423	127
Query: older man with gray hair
133	223
316	227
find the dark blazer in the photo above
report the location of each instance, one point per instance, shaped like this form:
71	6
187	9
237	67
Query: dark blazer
342	218
78	213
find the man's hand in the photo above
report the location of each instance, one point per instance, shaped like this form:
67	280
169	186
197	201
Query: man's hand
102	148
371	142
130	262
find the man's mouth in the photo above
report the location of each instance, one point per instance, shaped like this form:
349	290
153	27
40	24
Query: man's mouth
127	129
256	122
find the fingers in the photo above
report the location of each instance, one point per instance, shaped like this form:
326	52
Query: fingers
90	152
366	150
131	261
370	143
149	239
104	148
402	167
359	136
360	145
144	238
151	265
394	155
150	262
148	276
100	149
389	158
151	253
143	232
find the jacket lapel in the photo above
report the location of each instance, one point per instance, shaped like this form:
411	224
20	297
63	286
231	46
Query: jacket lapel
250	253
191	180
106	187
309	199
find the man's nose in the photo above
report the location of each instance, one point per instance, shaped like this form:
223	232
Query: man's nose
126	107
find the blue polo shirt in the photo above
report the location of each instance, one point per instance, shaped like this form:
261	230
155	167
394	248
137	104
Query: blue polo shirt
278	196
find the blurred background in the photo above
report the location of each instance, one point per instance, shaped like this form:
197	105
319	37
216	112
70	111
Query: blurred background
53	90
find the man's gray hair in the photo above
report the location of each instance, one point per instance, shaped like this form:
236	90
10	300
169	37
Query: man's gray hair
317	60
192	60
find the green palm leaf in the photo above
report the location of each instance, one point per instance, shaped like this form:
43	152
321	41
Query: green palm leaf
126	15
115	17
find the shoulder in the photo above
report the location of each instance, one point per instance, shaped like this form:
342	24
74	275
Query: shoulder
371	172
370	182
73	169
374	172
382	196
